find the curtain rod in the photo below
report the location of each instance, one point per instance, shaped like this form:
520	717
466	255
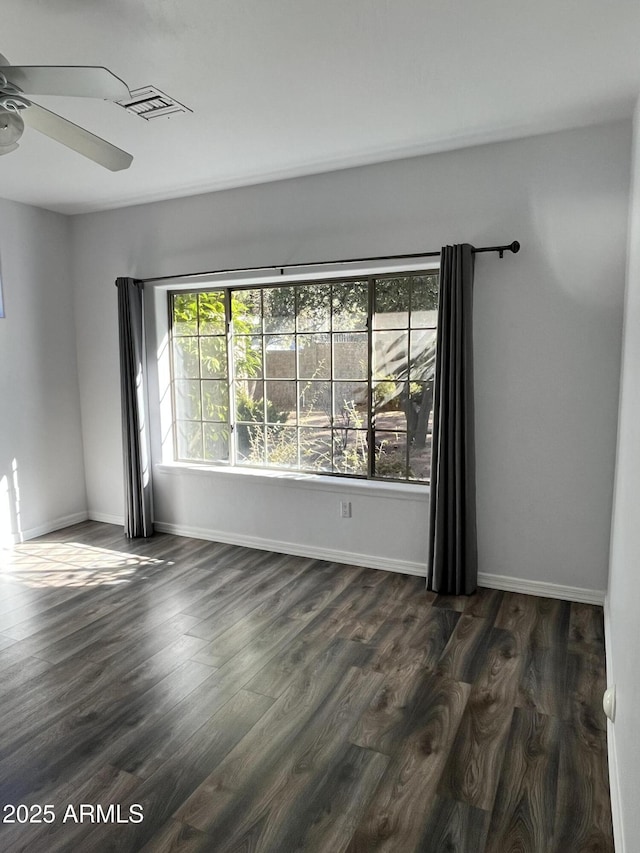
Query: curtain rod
512	247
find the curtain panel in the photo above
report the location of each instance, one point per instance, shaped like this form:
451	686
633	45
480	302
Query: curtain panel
138	504
452	566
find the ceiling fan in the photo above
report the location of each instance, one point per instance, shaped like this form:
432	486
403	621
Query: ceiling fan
16	109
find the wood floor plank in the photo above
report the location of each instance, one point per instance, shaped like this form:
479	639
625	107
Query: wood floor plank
235	601
543	685
36	605
336	620
472	772
411	634
397	812
524	810
327	587
258	815
87	598
583	810
302	600
57	686
404	652
586	682
551	626
163	792
275	736
148	746
586	628
440	627
15	673
383	725
148	753
125	642
373	610
455	827
62	620
519	614
155	730
458	603
464	654
484	603
242	667
176	837
170	597
540	627
38	755
334	806
107	786
307	652
14	595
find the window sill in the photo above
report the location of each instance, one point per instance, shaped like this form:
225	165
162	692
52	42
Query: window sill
299	480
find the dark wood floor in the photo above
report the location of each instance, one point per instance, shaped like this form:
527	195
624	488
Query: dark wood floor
251	701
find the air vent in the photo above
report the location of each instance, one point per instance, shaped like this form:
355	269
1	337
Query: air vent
150	102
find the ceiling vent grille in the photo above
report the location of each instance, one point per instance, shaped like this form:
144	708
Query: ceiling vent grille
150	102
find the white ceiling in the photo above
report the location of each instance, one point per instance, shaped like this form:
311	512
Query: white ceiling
280	88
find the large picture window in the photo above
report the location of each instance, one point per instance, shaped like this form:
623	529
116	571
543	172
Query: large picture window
331	377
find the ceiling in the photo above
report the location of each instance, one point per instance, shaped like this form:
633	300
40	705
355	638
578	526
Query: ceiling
281	88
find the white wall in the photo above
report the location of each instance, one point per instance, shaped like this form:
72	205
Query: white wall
548	330
623	599
41	466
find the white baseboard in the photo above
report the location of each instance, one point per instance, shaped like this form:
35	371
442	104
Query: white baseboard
509	584
542	588
296	549
614	782
50	526
106	518
614	790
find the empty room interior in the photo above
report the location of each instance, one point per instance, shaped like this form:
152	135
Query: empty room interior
320	358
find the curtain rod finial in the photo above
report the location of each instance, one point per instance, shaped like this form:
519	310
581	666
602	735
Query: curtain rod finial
514	247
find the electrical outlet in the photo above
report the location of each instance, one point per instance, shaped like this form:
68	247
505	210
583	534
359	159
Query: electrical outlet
345	509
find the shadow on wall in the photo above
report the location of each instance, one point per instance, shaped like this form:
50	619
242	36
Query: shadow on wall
10	521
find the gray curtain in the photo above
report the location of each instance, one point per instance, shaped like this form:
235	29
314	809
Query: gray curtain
453	560
135	441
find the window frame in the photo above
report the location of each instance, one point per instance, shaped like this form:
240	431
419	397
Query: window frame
228	287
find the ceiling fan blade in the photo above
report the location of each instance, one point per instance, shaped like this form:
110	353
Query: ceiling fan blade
83	81
76	137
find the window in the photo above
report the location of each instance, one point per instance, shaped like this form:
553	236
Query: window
331	377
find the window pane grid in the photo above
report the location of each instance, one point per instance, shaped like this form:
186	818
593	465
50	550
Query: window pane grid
334	377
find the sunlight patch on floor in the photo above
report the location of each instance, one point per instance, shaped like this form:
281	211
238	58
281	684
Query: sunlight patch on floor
69	564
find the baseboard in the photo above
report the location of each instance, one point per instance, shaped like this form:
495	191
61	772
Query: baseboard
50	526
296	549
614	782
542	588
614	790
106	518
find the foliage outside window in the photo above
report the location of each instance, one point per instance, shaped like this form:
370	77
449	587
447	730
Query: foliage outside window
333	377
